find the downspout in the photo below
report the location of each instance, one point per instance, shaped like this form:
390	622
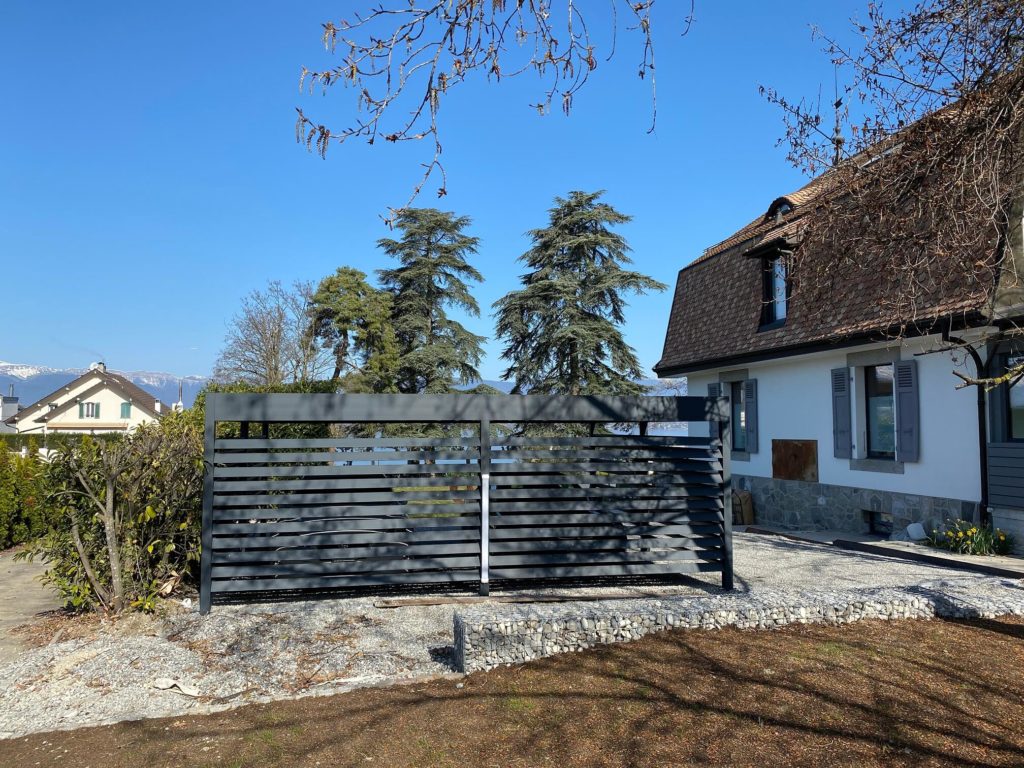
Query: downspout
982	370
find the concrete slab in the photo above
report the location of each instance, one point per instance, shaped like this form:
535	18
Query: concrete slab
22	597
1007	567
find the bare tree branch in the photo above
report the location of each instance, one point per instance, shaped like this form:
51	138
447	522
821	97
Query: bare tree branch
402	58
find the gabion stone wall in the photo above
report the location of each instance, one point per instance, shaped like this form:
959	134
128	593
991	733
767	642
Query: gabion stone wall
491	636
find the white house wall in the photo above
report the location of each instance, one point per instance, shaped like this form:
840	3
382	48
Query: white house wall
794	401
110	415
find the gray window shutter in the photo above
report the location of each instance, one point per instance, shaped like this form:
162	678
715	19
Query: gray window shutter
81	410
96	411
715	390
842	430
750	395
908	412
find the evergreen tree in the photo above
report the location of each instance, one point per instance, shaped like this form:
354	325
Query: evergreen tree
435	352
353	319
563	328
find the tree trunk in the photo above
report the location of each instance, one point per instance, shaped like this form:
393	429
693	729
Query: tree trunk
113	549
574	368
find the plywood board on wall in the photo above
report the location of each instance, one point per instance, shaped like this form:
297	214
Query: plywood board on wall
795	460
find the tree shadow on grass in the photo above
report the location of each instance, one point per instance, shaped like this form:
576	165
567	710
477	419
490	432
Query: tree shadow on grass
873	693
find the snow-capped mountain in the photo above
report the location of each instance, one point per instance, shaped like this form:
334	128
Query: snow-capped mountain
31	382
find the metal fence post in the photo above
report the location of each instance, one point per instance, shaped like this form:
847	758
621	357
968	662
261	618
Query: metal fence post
485	504
206	555
725	432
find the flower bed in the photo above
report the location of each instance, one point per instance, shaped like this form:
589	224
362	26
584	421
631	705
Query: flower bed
967	538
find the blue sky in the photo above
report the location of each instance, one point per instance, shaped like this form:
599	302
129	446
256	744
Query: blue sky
149	176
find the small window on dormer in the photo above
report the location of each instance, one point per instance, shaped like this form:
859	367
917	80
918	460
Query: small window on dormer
775	290
778	209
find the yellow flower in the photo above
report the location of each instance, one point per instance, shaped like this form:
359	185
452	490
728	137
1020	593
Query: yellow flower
1002	537
959	534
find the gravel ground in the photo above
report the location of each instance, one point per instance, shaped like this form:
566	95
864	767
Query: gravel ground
240	654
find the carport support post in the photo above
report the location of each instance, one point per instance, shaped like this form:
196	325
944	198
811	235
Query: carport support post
206	556
485	506
725	430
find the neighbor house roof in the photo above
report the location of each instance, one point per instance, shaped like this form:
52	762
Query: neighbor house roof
717	307
104	379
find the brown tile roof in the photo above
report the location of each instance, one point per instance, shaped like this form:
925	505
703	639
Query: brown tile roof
716	310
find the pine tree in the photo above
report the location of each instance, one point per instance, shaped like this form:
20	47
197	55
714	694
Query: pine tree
435	352
563	328
353	319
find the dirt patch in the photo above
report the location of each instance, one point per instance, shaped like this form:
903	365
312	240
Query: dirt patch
869	694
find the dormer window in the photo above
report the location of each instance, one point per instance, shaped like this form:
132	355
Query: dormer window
775	290
778	209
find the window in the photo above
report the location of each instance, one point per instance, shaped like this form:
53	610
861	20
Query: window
738	404
880	402
1015	401
88	410
742	394
126	410
775	291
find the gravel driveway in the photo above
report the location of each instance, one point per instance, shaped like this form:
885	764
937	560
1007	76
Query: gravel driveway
186	663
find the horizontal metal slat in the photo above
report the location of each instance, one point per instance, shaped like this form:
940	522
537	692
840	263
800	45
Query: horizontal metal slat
358	470
602	456
422	550
580	543
334	457
581	571
398	486
668	492
604	558
599	505
270	444
369	565
321	499
608	440
223	586
599	531
341	512
354	537
342	526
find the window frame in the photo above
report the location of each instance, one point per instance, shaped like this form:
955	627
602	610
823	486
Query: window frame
870	453
738	414
126	409
769	301
90	410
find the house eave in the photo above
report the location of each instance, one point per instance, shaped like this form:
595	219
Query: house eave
937	325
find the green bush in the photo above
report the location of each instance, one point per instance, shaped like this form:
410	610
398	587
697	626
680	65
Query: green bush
125	515
967	538
52	440
23	512
276	431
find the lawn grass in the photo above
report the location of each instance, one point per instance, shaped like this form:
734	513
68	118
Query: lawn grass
902	693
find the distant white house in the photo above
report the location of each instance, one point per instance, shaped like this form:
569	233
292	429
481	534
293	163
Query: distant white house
97	401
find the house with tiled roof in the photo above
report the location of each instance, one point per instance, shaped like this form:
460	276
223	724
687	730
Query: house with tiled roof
98	401
839	423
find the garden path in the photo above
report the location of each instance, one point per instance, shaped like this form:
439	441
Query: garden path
22	597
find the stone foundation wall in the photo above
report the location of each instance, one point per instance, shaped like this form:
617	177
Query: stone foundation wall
798	505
